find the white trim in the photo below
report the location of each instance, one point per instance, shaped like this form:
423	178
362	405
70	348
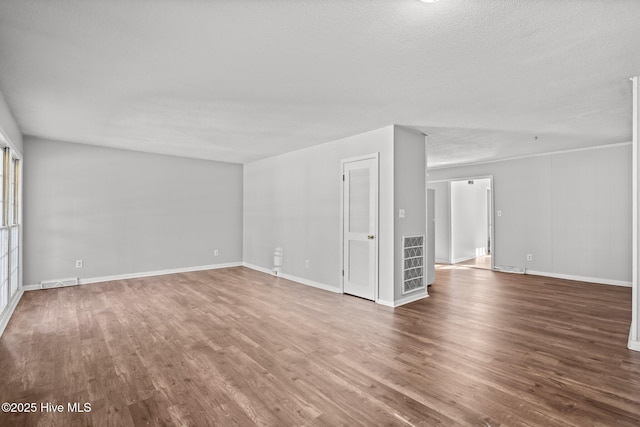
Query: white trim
633	344
450	212
258	268
442	261
427	223
308	282
634	334
385	303
449	223
20	227
296	279
411	298
405	300
490	249
341	231
157	273
8	311
527	156
102	279
587	279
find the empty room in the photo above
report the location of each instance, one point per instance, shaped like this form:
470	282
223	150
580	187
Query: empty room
305	212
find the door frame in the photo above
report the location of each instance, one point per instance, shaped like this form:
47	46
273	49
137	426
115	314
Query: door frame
490	218
493	213
375	156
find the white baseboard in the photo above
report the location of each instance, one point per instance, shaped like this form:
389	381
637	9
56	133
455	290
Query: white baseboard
101	279
6	316
412	298
580	278
258	268
385	303
633	344
442	261
405	300
296	279
311	283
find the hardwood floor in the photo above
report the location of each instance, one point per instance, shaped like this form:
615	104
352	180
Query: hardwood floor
483	261
238	347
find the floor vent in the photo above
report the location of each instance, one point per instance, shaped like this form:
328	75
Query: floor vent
48	284
413	253
510	269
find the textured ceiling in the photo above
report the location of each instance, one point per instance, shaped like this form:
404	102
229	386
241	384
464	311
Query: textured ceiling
242	80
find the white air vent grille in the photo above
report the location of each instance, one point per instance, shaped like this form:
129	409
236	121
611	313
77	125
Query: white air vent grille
510	269
413	259
48	284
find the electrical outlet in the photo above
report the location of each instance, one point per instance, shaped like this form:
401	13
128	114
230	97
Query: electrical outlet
529	257
78	263
216	253
306	263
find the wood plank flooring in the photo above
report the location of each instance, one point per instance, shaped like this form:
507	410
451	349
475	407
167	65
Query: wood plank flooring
238	347
483	261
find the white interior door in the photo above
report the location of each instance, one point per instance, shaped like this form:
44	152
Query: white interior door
360	222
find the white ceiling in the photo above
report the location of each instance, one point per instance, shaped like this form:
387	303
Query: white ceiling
241	80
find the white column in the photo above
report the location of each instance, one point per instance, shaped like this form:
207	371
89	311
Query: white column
428	256
634	334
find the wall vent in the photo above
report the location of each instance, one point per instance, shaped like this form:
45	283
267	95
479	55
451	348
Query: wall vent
413	259
510	269
48	284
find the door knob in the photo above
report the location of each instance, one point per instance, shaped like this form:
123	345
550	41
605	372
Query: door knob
370	237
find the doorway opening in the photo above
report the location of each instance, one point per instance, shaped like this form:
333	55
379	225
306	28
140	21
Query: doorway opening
464	223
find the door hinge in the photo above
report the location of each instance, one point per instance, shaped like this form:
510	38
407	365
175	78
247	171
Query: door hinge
343	177
342	273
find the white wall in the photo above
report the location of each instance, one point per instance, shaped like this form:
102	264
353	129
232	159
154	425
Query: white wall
409	194
469	223
125	212
572	211
443	226
293	201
